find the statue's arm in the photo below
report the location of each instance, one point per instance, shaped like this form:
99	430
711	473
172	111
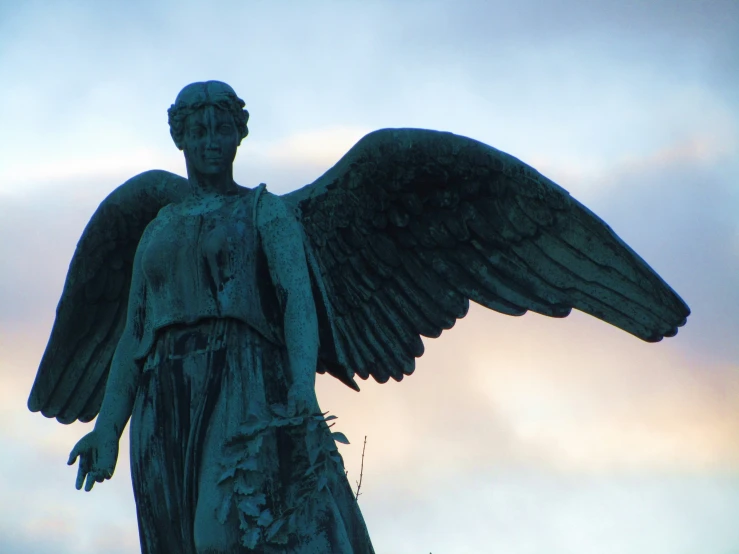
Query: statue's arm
122	384
282	242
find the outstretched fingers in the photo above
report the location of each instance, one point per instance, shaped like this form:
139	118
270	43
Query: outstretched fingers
81	474
81	451
74	454
90	481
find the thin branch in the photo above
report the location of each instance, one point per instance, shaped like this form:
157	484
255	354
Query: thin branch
361	469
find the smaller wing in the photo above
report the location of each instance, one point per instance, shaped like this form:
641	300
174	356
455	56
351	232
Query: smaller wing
91	314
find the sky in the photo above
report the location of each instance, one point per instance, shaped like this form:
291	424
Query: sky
517	435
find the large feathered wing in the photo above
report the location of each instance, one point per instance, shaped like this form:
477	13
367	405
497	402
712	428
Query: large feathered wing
412	224
91	314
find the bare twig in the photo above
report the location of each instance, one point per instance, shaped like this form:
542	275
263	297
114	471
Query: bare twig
361	469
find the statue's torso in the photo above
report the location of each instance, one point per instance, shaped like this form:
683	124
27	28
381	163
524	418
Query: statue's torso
200	259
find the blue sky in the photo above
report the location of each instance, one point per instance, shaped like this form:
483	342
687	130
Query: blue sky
517	435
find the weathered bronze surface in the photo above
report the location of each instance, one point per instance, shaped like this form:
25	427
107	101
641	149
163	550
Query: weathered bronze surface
201	311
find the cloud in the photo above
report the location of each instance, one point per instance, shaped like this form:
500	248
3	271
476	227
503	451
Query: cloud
702	149
43	512
519	512
527	80
320	147
296	159
569	395
682	220
26	174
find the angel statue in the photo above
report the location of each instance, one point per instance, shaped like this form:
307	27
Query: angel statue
202	310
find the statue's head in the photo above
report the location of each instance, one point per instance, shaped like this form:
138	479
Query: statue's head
208	122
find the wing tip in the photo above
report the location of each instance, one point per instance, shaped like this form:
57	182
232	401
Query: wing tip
380	378
669	333
352	384
33	404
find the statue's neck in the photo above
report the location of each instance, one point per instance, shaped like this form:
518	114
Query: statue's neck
218	183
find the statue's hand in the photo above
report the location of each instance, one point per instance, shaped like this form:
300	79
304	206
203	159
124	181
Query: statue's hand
98	453
302	400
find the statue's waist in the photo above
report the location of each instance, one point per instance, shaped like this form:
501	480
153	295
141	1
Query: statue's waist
194	320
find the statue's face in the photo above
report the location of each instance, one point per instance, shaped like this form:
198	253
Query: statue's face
210	140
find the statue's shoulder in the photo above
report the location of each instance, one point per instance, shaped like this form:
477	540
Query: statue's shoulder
167	210
165	215
271	207
170	213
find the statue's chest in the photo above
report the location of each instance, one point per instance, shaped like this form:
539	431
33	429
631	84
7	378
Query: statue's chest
211	239
211	226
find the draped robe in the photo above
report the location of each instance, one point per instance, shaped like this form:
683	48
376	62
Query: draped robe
212	448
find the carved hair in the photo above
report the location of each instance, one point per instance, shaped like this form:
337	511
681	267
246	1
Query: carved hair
198	95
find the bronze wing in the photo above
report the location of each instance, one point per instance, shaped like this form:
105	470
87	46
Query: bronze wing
91	314
411	224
